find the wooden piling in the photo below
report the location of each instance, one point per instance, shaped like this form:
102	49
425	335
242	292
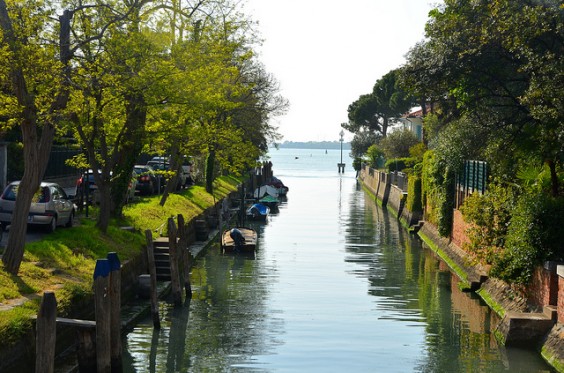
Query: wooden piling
184	253
173	255
153	274
46	338
115	309
102	308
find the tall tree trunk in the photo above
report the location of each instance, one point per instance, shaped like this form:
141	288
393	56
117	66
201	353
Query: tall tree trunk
36	150
127	149
105	207
555	185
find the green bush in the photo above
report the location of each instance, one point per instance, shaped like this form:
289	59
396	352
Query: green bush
489	215
438	192
414	199
400	164
534	235
357	164
375	156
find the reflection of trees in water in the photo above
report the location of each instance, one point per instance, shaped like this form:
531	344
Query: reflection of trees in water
227	324
412	286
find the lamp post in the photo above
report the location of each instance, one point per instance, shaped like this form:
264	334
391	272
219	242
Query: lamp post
341	166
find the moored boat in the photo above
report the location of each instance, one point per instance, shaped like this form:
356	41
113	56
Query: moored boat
258	211
240	239
270	201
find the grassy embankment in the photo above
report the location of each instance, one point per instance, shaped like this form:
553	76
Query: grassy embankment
64	261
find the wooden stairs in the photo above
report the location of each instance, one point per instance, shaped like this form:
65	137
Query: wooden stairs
162	258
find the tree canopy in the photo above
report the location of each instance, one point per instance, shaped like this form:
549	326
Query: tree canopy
499	65
167	77
373	111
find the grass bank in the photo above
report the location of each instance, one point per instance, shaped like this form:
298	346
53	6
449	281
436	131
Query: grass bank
63	262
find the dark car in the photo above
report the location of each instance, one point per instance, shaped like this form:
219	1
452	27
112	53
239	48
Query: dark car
161	164
147	180
86	186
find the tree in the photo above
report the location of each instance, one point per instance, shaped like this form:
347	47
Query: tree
37	94
374	111
397	143
361	141
499	64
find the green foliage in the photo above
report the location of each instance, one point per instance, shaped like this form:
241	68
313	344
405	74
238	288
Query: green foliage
417	151
375	156
495	71
534	235
398	143
400	164
357	164
446	214
414	196
361	141
489	216
438	192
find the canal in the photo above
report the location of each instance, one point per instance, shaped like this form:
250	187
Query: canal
336	285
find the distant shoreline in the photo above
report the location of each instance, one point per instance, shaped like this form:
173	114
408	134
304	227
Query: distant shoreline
314	145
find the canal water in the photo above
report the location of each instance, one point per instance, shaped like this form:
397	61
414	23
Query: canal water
336	285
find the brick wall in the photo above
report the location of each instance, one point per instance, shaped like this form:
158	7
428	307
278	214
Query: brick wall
544	287
459	227
560	300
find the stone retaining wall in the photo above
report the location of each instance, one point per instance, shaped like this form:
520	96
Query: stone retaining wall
513	304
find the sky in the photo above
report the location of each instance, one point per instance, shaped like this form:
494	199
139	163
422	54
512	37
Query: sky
326	53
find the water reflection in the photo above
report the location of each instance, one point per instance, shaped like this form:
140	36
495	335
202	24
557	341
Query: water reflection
336	285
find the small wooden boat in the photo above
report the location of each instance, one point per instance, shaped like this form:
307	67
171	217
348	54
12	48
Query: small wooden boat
240	239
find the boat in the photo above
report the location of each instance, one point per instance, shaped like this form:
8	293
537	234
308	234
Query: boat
258	211
276	183
239	239
264	190
270	201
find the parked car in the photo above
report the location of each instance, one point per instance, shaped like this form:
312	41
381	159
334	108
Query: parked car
162	164
86	184
50	207
147	180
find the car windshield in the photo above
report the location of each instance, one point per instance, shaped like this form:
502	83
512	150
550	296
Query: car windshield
41	196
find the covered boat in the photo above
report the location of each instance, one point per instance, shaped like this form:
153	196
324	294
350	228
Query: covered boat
270	201
265	190
258	211
240	239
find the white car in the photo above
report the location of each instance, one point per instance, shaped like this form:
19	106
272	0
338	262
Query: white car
50	206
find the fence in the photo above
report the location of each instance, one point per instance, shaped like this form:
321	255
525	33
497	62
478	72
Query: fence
472	179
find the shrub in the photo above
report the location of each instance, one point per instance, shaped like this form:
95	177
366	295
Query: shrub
534	235
375	156
357	164
438	192
414	199
397	143
489	216
400	164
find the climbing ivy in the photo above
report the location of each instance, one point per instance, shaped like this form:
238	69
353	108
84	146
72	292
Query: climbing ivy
438	192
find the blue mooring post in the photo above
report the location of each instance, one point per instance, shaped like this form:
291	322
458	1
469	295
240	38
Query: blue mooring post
102	309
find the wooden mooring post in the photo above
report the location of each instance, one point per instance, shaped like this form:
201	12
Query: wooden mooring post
173	255
185	255
46	337
153	275
103	320
115	310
